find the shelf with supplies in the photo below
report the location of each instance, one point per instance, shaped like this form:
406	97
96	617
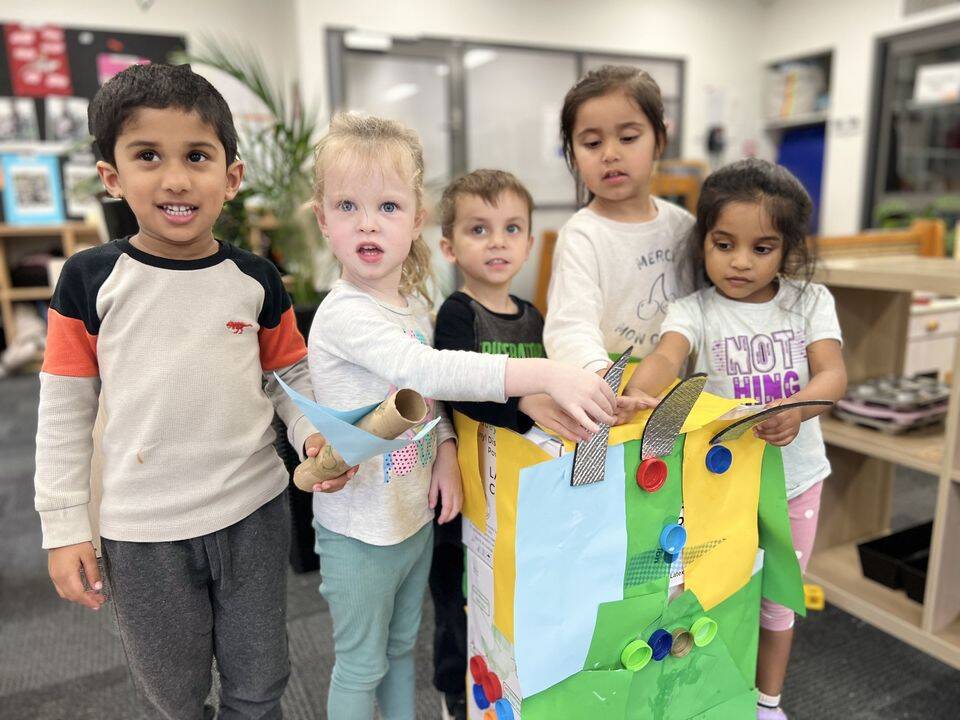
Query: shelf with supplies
873	297
71	236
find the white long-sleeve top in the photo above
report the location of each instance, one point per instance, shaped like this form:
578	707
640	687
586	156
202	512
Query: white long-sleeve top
362	350
611	284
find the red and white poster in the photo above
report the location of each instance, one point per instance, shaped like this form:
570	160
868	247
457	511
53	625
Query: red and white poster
38	60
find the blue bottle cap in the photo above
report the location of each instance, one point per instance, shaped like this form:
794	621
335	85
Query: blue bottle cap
719	459
480	697
504	711
660	642
672	539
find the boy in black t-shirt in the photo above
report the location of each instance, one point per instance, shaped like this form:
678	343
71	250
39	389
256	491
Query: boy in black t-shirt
485	218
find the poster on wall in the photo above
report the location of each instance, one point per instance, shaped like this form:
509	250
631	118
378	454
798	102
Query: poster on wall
109	64
37	58
80	185
18	120
66	119
31	189
102	54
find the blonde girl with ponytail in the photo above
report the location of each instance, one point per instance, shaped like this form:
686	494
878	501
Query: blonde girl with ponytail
371	335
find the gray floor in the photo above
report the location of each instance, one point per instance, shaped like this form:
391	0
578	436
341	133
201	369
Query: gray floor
59	661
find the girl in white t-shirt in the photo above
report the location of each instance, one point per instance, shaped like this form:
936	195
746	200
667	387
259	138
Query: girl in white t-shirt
761	331
616	264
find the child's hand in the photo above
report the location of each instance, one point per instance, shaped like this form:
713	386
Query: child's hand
334	484
445	482
583	395
64	565
781	429
312	446
630	405
546	412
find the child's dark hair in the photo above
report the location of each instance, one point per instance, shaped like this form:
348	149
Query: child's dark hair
157	86
637	84
782	196
488	185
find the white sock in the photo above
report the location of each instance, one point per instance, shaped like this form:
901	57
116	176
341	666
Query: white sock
770	701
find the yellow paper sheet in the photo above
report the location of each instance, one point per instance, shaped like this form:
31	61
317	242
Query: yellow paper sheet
468	457
514	452
721	507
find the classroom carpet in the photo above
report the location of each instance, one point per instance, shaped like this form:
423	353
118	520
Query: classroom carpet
59	661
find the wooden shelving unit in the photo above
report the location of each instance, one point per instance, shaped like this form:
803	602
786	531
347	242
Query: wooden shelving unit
69	235
873	302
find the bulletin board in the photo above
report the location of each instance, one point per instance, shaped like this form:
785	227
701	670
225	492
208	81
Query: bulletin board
48	75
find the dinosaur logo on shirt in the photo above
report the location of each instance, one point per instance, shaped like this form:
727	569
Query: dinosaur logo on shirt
237	327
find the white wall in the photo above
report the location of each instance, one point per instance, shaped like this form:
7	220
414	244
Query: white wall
850	28
265	26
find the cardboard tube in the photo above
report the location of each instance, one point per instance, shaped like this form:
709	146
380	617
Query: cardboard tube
401	411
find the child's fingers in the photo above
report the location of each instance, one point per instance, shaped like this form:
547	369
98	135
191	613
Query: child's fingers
778	437
568	428
581	417
335	484
601	414
92	570
72	589
446	511
433	494
607	399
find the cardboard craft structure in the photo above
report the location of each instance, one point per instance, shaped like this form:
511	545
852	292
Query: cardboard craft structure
636	596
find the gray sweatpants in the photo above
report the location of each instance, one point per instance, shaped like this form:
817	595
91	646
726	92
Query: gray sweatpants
180	604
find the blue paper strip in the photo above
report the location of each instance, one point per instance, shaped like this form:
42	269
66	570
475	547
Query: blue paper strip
337	427
571	548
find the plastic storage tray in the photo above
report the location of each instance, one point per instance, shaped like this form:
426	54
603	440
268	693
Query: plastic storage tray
915	575
899	393
882	559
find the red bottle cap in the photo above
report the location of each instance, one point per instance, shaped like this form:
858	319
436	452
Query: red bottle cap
652	474
478	668
492	688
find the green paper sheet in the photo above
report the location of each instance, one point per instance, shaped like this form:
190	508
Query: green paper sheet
742	707
782	581
620	622
647	513
679	688
738	625
584	696
672	689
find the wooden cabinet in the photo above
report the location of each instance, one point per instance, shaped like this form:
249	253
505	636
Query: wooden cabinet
873	297
69	235
932	337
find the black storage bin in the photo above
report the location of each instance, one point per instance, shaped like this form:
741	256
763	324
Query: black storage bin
882	559
915	575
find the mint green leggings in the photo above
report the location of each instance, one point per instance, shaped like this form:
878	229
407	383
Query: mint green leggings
375	594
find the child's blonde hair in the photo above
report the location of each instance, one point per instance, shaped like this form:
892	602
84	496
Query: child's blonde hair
366	142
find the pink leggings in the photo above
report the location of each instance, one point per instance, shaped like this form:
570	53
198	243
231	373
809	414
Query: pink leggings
804	511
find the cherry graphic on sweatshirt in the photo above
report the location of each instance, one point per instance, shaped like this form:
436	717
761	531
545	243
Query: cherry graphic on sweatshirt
238	326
